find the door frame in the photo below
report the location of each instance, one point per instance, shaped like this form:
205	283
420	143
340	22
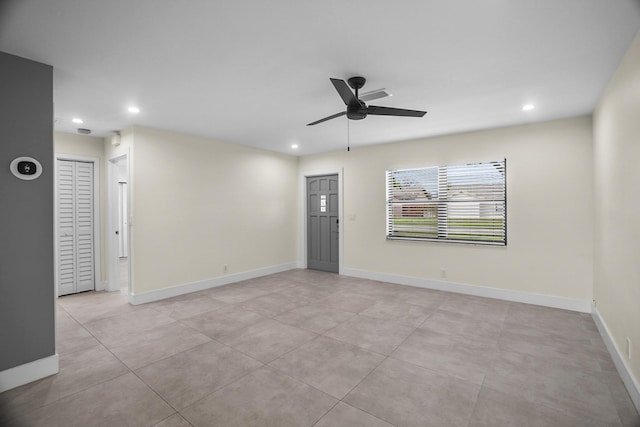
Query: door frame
303	209
123	241
98	285
112	240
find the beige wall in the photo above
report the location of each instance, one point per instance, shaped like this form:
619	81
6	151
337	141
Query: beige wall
199	204
89	146
549	182
617	213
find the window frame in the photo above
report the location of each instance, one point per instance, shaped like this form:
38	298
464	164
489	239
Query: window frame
441	203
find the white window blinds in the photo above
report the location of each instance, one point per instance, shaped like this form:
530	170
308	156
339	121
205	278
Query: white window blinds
460	203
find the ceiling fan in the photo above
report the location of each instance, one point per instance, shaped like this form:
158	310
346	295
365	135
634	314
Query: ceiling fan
357	109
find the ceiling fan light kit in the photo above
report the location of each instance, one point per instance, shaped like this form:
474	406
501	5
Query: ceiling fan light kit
356	107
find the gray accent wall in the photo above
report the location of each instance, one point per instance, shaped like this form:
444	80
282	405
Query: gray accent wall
27	307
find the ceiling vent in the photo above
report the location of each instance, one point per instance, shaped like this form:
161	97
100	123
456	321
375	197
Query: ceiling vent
84	131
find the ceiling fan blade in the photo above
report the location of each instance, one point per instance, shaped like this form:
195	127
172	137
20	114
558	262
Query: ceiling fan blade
343	90
387	111
374	94
342	113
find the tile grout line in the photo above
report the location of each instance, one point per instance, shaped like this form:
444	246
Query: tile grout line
216	390
31	410
475	403
127	366
223	344
222	386
325	414
267	365
176	413
373	370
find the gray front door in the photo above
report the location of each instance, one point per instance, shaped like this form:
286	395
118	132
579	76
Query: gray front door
322	223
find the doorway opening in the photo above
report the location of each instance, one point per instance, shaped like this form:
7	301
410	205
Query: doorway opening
119	226
123	230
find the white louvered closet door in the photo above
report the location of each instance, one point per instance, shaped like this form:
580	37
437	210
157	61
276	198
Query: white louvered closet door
75	227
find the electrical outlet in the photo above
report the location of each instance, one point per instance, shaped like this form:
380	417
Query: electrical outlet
628	348
443	272
225	268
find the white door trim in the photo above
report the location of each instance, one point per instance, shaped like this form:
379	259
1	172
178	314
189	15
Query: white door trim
97	256
112	240
303	208
123	191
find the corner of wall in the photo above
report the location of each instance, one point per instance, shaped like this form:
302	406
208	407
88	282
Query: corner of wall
623	368
616	131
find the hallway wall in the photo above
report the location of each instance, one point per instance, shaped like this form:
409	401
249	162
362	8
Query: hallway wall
26	219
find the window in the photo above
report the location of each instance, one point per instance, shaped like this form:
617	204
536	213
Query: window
461	203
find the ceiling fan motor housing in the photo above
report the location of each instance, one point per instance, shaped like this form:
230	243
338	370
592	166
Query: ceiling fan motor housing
356	110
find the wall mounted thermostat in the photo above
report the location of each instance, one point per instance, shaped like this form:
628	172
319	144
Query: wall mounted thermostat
26	168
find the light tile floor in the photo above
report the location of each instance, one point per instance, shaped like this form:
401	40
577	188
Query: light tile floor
123	275
305	348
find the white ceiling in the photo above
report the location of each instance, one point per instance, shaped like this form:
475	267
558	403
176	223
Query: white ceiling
255	72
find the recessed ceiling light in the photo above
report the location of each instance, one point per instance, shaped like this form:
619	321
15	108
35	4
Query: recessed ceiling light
528	107
134	110
77	120
294	146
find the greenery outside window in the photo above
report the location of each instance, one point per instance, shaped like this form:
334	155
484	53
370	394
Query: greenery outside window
460	203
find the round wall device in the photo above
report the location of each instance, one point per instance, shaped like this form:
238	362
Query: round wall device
26	168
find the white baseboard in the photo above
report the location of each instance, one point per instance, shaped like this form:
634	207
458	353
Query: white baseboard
481	291
32	371
201	285
621	364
